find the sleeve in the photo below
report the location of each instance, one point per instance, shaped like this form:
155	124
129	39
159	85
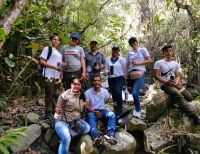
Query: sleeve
107	95
82	53
87	97
145	53
123	65
127	59
61	100
44	53
107	66
156	65
103	59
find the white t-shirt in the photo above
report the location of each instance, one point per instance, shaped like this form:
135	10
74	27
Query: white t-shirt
118	67
167	68
55	60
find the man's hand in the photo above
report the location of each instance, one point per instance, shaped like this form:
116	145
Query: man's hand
98	114
135	62
172	83
83	76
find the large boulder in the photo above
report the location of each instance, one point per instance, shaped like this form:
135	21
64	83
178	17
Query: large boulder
32	134
157	106
32	117
125	144
135	125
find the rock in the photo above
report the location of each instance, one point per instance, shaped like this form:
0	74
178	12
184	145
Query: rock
41	102
32	117
49	135
45	125
196	106
135	124
125	144
157	106
32	133
84	145
8	122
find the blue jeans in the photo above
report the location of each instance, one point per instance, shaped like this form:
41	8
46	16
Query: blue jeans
62	130
136	86
116	86
111	125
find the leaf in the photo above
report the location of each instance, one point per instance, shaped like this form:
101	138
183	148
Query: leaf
156	19
2	34
148	27
3	148
9	62
9	140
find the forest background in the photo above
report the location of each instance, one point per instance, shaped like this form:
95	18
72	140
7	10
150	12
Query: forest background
25	27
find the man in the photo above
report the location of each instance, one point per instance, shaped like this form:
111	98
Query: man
73	57
95	62
168	72
96	97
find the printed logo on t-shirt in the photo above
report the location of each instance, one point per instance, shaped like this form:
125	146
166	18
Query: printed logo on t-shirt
73	53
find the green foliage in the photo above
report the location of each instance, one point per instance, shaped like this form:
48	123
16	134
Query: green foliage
2	34
9	62
9	138
3	101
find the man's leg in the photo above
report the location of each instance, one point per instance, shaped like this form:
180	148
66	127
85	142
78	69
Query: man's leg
49	91
93	128
177	96
85	126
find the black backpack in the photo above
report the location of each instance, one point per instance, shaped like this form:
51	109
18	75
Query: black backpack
41	67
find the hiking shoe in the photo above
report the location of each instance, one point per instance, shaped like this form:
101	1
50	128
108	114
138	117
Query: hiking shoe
97	141
110	139
137	114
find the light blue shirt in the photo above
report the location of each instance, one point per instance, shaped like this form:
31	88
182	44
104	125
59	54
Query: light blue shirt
139	55
97	99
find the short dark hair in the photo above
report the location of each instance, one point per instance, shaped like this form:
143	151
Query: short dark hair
95	76
166	47
55	34
74	78
132	40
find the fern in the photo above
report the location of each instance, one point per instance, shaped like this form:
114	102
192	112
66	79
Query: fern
9	137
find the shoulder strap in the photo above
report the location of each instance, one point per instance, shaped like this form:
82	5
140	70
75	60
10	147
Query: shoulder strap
49	52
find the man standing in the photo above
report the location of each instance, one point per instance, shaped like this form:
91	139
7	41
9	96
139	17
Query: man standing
73	57
96	97
95	62
168	72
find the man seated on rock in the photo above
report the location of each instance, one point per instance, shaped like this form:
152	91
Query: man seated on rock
96	97
168	72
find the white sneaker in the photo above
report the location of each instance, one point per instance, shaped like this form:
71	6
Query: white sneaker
137	114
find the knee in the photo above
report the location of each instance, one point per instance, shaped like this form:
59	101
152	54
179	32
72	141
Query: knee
66	139
86	128
111	115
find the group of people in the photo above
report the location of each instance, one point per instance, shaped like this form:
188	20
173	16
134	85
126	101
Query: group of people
73	66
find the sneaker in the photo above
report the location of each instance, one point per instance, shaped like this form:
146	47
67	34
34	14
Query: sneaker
110	139
97	141
137	114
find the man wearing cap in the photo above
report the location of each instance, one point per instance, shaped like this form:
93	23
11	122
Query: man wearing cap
115	69
95	62
73	57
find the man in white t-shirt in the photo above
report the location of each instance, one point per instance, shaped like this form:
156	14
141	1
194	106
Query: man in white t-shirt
168	72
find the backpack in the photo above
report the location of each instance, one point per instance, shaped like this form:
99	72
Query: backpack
41	67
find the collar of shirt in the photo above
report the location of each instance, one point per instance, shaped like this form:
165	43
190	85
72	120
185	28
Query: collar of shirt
96	93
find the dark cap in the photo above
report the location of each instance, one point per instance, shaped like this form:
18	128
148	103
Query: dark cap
93	40
75	35
115	47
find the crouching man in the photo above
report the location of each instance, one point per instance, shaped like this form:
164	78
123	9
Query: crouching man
96	97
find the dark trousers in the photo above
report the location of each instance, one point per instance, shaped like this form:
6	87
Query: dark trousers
51	95
116	85
67	78
181	98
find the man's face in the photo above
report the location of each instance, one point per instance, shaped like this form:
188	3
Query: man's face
93	46
74	41
134	45
115	53
168	53
97	82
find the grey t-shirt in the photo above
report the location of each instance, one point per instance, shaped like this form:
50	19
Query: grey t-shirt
167	68
139	56
72	56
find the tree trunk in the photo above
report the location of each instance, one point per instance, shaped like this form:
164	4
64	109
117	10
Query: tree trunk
11	17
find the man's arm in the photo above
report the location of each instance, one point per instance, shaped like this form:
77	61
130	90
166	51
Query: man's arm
83	67
90	109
